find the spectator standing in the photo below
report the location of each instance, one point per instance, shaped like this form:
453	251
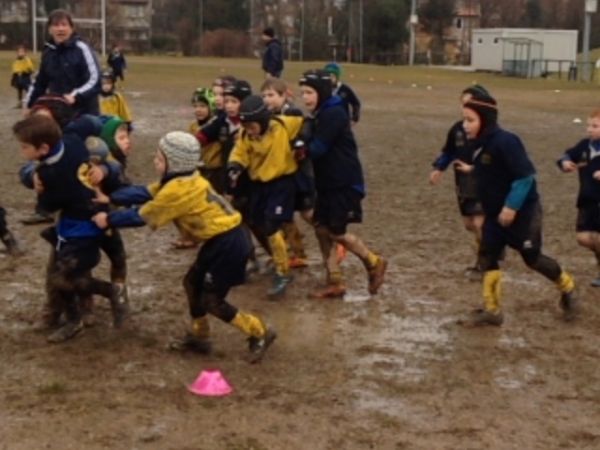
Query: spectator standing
272	62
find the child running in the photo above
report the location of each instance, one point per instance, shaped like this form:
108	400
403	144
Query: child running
184	197
456	149
339	183
275	94
513	213
585	159
57	179
22	69
263	149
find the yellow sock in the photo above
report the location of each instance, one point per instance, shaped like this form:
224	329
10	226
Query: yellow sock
249	324
335	277
565	282
491	290
372	259
279	253
201	327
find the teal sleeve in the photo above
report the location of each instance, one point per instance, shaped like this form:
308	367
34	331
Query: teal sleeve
518	192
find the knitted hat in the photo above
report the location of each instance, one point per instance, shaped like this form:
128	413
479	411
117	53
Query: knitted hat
485	106
181	150
58	107
97	148
239	89
334	69
476	89
206	96
253	109
320	81
109	129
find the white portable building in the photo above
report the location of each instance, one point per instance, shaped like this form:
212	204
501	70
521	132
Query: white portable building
523	51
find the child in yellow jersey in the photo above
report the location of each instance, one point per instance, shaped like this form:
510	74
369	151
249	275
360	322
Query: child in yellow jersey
22	69
263	149
211	159
184	197
113	103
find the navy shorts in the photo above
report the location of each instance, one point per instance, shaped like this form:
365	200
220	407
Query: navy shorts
525	233
305	191
588	218
272	203
221	262
76	257
469	207
335	209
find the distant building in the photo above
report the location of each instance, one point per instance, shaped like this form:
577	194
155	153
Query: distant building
457	36
128	22
524	52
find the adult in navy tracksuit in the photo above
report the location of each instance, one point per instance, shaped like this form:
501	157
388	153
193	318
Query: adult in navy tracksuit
62	186
272	61
339	182
513	214
68	67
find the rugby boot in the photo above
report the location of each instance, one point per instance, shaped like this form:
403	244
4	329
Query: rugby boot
295	262
12	246
376	275
257	346
197	340
482	317
37	218
67	331
278	288
568	299
332	290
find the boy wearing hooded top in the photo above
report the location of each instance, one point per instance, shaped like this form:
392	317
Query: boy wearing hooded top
343	91
68	68
513	214
60	186
113	103
263	150
184	197
339	183
585	159
456	149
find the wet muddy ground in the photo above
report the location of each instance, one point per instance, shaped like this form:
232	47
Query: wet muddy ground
390	372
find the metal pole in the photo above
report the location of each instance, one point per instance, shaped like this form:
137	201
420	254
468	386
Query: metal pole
34	25
201	25
413	26
586	46
103	16
301	52
360	31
